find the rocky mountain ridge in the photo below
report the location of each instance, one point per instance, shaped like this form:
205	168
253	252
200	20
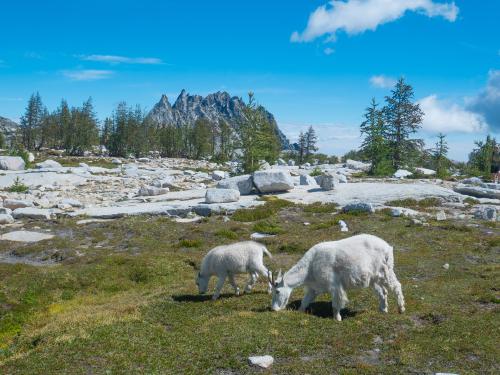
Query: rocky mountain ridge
216	107
8	128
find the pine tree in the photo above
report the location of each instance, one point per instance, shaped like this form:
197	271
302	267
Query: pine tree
302	147
403	118
311	140
440	153
225	141
258	137
374	146
481	158
31	122
201	139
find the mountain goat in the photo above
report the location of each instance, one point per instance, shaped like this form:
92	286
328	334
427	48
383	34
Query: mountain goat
230	260
336	266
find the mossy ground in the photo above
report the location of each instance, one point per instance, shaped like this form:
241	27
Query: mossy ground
123	300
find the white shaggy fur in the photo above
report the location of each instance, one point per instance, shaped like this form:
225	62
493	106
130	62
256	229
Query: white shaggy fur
334	267
230	260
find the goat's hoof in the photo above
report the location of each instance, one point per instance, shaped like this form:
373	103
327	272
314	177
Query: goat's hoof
338	318
402	309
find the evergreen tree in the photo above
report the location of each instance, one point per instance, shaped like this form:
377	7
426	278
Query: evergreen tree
374	145
258	137
311	140
302	147
31	122
225	142
403	118
440	153
201	139
481	158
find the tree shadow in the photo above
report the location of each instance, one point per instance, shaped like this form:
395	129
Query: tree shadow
315	190
208	297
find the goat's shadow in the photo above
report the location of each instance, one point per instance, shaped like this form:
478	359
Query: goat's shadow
322	309
208	297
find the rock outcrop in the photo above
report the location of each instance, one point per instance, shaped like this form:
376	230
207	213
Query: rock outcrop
272	181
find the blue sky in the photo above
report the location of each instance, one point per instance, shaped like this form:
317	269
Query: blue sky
309	62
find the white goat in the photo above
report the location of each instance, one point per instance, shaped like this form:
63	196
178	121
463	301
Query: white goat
333	267
230	260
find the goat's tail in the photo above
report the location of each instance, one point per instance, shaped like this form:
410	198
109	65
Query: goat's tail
264	249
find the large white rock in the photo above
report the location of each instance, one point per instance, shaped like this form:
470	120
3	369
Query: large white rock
17	203
31	157
222	196
402	173
26	236
48	164
307	180
281	162
264	361
357	165
272	181
6	219
425	171
11	163
242	183
32	213
329	181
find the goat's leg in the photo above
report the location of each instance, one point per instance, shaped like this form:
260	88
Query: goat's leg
218	287
265	272
232	280
382	296
339	300
251	282
309	297
395	286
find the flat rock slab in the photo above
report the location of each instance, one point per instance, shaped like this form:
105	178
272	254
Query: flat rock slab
26	236
264	361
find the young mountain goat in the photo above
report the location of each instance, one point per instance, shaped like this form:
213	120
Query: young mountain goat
229	260
334	267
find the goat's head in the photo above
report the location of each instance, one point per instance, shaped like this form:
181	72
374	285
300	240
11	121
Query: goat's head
202	283
281	292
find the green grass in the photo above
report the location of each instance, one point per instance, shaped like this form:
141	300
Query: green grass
267	227
270	208
17	187
93	162
130	305
413	203
322	208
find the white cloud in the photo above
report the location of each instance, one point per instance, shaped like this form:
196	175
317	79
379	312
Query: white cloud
87	74
112	59
358	16
383	82
329	51
487	102
444	117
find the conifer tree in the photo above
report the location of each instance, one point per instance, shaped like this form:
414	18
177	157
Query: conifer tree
403	119
440	156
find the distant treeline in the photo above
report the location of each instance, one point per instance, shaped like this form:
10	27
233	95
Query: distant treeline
130	132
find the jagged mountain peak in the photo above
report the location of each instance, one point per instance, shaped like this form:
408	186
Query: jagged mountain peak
215	107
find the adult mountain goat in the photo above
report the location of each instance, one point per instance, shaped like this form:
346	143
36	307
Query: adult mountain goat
230	260
334	267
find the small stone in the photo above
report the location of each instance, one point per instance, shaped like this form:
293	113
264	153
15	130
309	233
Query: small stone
261	361
446	266
218	175
307	224
259	236
343	226
5	211
441	216
359	207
